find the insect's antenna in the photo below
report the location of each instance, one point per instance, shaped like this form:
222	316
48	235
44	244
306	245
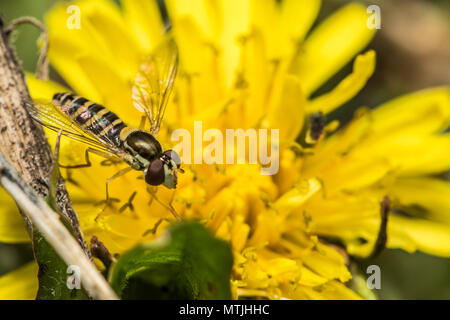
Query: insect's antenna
180	170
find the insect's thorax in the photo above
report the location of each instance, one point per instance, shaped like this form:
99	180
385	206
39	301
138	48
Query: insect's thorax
138	148
142	146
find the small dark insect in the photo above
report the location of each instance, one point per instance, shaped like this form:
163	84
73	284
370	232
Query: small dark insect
317	123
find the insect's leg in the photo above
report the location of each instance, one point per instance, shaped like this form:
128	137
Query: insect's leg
167	206
57	144
110	179
111	161
109	200
88	161
54	174
142	124
129	203
172	209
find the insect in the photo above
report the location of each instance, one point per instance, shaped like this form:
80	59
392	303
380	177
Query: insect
107	135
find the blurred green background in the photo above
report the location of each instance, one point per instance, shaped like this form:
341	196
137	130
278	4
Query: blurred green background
413	52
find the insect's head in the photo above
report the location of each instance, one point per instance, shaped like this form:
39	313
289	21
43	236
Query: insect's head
164	170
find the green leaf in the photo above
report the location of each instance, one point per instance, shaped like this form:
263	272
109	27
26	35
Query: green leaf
52	273
53	270
187	263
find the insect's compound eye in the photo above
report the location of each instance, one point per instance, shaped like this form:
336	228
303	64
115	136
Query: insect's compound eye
174	156
155	173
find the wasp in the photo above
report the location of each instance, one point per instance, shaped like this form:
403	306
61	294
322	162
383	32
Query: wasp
107	135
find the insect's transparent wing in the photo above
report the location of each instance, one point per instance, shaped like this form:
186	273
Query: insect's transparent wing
50	116
154	82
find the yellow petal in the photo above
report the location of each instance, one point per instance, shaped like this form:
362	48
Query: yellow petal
43	90
62	59
401	151
102	34
289	172
338	144
421	112
423	193
200	66
127	227
108	36
341	209
363	68
145	20
418	234
310	278
297	16
239	233
328	263
236	22
269	227
294	198
349	174
115	91
332	45
219	23
254	72
287	114
391	135
332	290
107	25
218	208
348	217
21	284
283	25
205	14
12	226
266	19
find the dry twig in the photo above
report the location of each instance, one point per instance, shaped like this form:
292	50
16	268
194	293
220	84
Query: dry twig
42	68
26	162
48	223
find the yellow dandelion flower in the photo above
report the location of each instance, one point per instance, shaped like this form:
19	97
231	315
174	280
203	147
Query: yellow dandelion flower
249	64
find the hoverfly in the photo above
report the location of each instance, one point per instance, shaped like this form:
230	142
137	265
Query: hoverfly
107	135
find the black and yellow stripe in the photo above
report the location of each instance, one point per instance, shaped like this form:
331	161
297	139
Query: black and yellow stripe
91	117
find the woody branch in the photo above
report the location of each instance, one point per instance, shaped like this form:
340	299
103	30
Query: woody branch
26	152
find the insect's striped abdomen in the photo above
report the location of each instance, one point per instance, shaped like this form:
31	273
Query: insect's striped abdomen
91	116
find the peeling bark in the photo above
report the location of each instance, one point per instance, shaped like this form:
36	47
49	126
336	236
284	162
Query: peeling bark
23	141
